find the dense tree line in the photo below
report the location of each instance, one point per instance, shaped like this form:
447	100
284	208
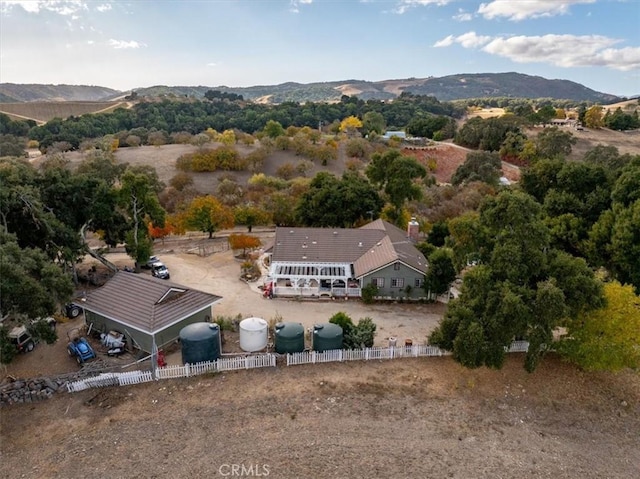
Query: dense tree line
196	116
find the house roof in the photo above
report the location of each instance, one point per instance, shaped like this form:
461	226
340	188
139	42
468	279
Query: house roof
146	303
396	246
371	247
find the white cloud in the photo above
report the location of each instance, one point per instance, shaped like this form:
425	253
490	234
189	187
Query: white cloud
463	16
467	40
121	44
105	7
520	10
295	5
212	64
61	7
404	5
445	42
561	50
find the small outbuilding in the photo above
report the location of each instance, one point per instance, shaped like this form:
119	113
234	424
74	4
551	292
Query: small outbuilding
146	309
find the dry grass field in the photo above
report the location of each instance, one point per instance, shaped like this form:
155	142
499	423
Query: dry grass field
409	418
485	112
43	111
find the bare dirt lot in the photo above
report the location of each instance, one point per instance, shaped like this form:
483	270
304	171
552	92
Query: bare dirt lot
403	418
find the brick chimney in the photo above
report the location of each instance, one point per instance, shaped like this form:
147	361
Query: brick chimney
413	230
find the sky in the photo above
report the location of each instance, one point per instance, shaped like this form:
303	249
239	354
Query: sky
131	44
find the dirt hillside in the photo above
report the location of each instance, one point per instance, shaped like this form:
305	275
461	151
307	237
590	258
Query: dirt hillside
402	419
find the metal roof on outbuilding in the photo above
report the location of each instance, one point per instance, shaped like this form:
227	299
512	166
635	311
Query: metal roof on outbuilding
146	303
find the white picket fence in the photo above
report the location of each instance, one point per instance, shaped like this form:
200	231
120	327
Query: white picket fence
267	360
110	379
171	372
222	364
394	352
339	355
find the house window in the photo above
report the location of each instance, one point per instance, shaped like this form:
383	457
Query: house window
379	282
396	266
397	282
419	283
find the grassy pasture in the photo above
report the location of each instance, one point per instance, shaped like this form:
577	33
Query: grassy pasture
43	111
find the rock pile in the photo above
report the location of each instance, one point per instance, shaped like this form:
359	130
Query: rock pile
30	390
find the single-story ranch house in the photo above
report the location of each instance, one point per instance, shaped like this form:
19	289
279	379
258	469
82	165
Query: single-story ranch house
146	309
338	262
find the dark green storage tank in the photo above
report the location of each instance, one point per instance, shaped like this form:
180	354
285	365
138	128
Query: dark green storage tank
200	342
289	338
327	336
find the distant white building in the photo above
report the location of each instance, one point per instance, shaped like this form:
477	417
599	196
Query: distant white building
398	134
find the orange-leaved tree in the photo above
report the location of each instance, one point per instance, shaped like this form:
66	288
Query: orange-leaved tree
207	214
243	242
160	232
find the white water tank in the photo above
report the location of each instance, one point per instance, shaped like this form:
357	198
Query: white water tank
253	334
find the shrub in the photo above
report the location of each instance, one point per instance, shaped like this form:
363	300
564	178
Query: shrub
369	292
185	162
204	161
343	320
227	158
42	330
357	148
133	140
260	179
283	143
354	164
363	334
355	336
181	137
181	180
286	171
303	167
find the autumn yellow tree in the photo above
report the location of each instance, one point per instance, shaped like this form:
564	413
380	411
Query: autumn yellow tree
593	117
211	133
227	137
207	214
607	339
350	125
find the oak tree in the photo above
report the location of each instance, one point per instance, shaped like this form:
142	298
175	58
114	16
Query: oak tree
207	214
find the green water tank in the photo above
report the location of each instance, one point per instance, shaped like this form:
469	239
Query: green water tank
327	336
200	342
289	338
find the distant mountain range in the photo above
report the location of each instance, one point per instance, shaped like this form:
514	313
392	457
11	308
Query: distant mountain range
447	88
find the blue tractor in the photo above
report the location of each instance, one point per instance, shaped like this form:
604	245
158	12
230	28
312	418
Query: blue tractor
81	350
